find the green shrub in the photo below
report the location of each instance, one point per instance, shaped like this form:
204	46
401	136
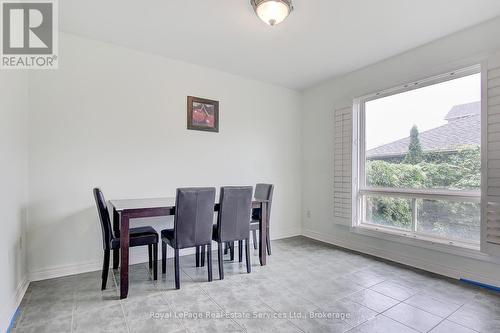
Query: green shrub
460	170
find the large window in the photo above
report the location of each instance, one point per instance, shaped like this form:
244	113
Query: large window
420	159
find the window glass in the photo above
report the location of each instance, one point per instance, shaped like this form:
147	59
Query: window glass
387	211
427	138
450	220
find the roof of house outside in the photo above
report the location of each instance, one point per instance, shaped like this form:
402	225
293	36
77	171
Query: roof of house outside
463	129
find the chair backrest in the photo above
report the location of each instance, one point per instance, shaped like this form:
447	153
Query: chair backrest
265	192
102	210
234	213
194	216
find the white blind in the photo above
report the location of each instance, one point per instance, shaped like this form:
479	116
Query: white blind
491	150
342	166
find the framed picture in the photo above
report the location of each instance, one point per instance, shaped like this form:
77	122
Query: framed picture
202	114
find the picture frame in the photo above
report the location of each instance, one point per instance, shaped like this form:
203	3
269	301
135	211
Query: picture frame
202	114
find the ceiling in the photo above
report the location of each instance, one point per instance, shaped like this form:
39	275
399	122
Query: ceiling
320	39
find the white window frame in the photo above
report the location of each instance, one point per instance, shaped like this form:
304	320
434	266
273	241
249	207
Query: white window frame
360	190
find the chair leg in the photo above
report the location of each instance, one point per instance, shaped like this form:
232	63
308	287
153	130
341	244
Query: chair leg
202	256
176	268
231	250
150	255
116	258
226	247
254	234
240	250
268	242
197	255
247	250
163	257
221	261
209	262
105	269
155	261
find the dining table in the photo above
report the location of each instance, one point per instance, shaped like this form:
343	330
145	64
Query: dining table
125	211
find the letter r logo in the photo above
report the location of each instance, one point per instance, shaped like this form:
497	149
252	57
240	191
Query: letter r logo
27	27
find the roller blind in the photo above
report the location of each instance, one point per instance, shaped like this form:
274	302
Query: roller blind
490	238
342	166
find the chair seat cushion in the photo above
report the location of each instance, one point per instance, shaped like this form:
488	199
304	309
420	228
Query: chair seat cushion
168	236
138	237
168	233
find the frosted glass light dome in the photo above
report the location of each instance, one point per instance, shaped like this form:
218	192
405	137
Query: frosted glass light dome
272	12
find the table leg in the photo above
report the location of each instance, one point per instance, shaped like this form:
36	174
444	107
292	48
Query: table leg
116	229
124	247
263	234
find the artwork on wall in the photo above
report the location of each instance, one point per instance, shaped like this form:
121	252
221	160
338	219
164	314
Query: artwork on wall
202	114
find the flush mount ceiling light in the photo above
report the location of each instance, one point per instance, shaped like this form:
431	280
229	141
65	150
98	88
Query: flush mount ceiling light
272	11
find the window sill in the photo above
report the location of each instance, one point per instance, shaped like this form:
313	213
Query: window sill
458	249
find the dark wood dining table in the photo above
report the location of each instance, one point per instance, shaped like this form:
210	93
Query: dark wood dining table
126	210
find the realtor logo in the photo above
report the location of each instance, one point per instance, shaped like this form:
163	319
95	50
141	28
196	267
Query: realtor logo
29	34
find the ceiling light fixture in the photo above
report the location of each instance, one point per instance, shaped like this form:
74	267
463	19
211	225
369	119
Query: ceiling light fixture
272	11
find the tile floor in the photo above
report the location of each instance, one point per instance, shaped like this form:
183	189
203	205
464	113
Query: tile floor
307	286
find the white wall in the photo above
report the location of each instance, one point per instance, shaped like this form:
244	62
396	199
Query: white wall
13	190
462	49
116	118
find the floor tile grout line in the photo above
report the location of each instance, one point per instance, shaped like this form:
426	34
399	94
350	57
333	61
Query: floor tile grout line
383	313
404	302
203	291
173	311
414	329
291	322
448	318
390	307
439	323
399	284
307	299
222	308
120	301
378	312
124	316
426	311
273	309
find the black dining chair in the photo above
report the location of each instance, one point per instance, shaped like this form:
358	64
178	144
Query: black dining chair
235	206
262	192
193	220
140	236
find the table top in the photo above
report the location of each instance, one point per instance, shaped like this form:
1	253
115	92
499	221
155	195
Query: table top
145	203
125	204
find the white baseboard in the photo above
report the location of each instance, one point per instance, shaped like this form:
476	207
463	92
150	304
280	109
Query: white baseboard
21	290
64	270
406	259
91	266
6	318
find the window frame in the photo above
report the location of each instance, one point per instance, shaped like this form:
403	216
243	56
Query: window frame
360	190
